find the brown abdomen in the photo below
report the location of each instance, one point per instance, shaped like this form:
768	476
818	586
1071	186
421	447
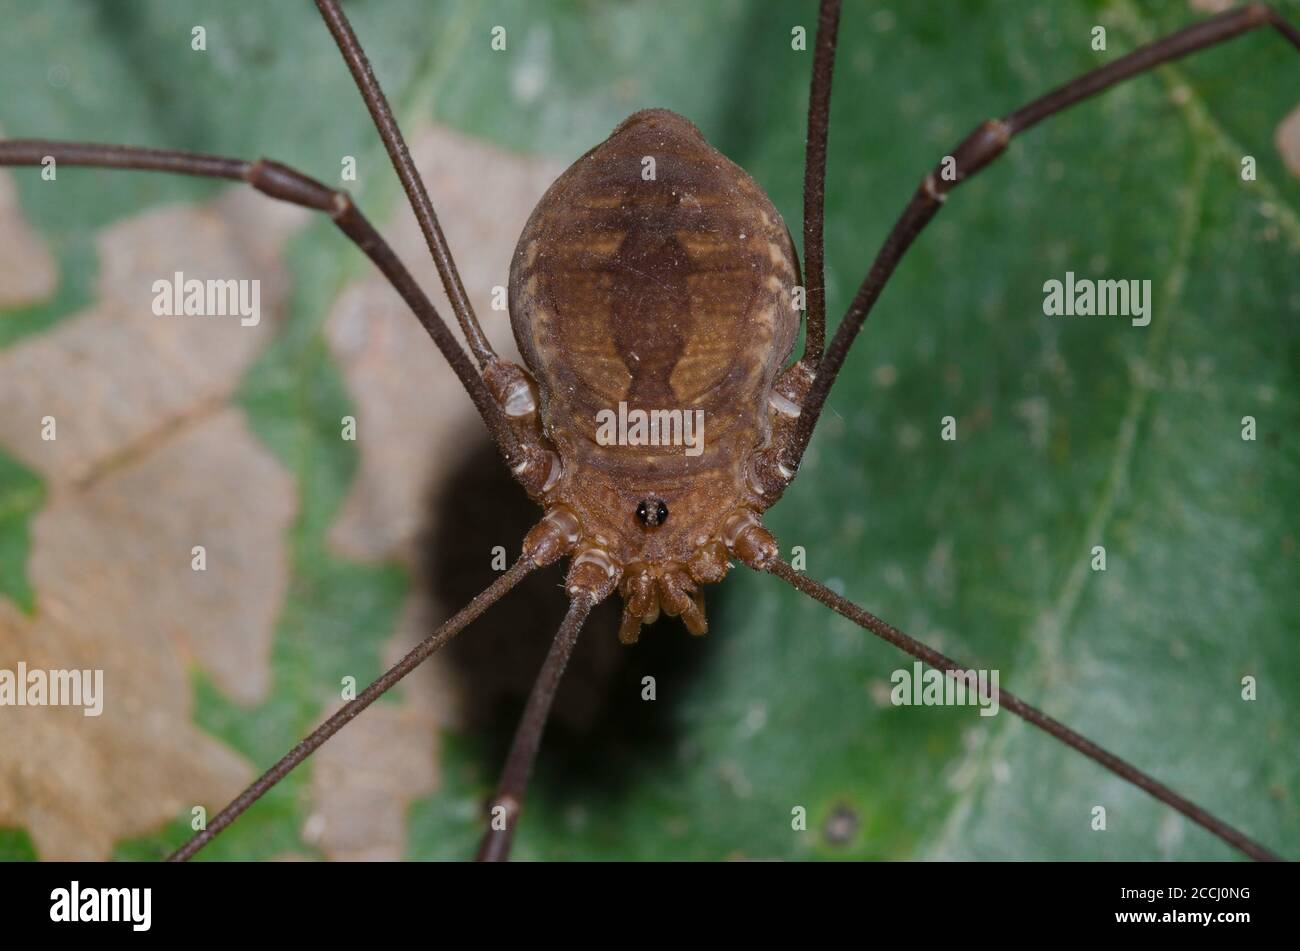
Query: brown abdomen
656	273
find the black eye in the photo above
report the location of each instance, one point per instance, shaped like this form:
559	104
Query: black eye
652	513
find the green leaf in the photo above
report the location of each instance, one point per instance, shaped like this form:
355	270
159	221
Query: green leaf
15	846
21	496
1072	432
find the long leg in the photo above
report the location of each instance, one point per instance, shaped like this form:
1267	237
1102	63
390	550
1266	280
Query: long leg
286	184
981	147
1033	715
508	801
814	180
416	193
490	595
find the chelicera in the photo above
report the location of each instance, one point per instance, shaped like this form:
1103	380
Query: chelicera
673	292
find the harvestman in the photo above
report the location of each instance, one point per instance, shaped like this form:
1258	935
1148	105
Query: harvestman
624	288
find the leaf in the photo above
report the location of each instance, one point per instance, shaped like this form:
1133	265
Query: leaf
22	497
1072	432
15	846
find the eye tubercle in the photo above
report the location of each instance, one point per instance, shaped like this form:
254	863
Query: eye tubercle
652	512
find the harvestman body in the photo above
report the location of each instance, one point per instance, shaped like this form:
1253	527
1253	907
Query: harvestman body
676	291
671	291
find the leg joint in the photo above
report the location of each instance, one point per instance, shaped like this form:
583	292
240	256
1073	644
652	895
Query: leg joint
985	143
280	181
